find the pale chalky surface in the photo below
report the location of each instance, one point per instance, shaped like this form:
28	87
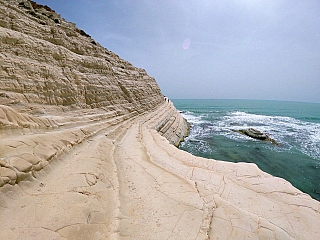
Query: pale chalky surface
87	150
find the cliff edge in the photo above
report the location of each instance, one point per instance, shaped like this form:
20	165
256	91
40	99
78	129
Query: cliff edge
87	150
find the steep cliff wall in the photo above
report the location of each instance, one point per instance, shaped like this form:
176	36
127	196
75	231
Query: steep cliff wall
49	66
47	60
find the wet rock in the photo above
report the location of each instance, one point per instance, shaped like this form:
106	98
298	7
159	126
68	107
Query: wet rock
256	134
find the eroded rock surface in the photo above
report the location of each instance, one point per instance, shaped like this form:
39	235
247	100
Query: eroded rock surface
85	150
256	134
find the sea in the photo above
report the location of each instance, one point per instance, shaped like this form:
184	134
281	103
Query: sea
294	125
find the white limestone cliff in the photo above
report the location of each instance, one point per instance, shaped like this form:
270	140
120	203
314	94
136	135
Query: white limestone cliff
87	150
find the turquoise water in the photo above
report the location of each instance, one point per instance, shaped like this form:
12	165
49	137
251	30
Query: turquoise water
296	126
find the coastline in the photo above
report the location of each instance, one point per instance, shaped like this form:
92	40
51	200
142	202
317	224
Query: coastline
295	126
88	150
139	186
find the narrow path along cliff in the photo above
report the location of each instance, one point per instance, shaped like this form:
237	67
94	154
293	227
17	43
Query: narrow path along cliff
88	150
127	182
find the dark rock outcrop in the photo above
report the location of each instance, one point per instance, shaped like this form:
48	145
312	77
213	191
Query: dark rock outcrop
256	134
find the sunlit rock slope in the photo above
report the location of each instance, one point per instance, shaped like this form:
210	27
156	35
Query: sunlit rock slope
87	150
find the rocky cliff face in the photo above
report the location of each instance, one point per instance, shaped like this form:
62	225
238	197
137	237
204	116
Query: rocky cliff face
49	61
49	66
82	156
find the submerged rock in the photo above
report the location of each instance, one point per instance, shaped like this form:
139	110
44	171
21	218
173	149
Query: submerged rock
256	134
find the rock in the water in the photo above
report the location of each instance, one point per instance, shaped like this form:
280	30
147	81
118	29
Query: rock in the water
256	134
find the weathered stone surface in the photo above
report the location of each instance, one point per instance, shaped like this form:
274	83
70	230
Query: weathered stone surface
82	156
3	163
20	164
51	66
31	158
7	173
256	134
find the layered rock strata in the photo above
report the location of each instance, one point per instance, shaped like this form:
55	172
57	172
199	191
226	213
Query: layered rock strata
86	150
52	62
49	66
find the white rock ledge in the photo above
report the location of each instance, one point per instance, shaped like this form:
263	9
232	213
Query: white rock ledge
87	150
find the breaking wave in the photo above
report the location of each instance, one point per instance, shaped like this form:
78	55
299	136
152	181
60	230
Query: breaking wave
291	133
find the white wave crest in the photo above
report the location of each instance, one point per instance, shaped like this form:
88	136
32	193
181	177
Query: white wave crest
288	131
192	118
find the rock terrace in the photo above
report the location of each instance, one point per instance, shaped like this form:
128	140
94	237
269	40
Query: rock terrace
87	150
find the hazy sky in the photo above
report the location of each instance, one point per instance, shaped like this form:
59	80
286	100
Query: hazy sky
252	49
